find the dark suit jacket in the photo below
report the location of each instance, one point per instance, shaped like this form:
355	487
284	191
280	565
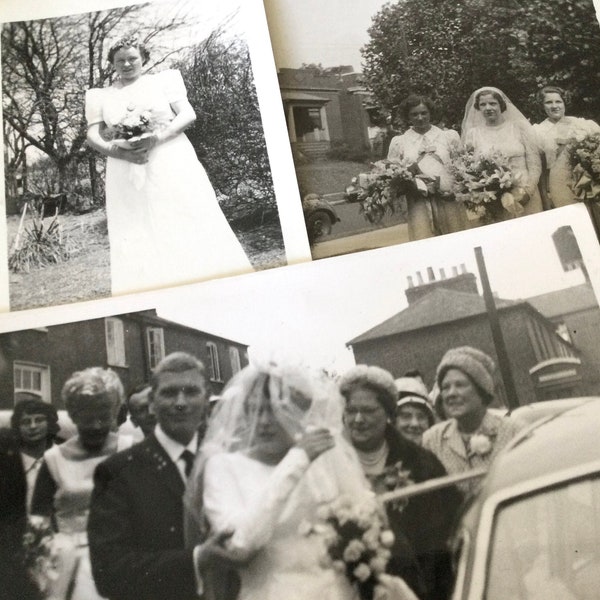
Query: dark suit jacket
136	527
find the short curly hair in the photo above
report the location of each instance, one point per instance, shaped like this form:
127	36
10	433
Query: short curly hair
373	378
551	89
414	100
32	406
497	96
131	40
92	383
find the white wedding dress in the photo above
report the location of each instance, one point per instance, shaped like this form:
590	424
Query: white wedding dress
265	506
164	222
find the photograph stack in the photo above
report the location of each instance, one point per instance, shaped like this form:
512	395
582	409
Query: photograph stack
300	300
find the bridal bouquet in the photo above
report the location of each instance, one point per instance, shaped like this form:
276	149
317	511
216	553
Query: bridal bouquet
387	181
357	540
584	155
136	124
486	184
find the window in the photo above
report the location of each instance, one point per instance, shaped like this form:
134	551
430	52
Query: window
548	541
214	370
115	342
30	378
234	359
155	341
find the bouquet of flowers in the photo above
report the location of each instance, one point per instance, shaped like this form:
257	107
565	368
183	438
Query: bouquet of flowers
135	125
49	558
387	181
584	156
486	184
357	540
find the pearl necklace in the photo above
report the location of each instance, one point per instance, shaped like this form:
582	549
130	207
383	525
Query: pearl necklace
373	462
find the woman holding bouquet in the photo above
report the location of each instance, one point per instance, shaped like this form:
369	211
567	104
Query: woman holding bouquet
165	224
273	454
553	134
428	148
493	124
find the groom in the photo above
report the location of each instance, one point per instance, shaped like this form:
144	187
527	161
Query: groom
135	527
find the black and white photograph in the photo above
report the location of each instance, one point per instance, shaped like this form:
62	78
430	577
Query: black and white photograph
418	118
379	414
138	151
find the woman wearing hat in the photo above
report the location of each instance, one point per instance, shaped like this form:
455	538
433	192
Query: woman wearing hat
414	413
422	525
472	436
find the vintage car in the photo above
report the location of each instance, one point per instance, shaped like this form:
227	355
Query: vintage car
533	530
319	216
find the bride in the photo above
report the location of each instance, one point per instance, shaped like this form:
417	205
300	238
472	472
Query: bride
492	123
164	222
272	454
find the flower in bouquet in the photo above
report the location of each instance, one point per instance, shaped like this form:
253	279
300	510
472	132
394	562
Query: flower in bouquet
584	156
357	540
486	184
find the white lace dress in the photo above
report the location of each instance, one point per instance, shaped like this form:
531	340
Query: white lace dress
519	145
164	222
265	506
552	139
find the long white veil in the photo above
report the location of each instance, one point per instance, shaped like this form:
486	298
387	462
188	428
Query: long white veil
300	399
474	118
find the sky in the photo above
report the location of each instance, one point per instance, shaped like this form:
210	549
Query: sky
330	32
309	312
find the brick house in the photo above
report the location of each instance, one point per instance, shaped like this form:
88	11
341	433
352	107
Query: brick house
40	360
450	312
324	109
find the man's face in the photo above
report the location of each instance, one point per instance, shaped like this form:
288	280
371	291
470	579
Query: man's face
139	409
180	403
33	428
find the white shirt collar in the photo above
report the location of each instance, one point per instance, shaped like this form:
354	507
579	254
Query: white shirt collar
173	448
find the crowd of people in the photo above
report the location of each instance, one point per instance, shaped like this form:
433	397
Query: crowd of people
210	499
536	155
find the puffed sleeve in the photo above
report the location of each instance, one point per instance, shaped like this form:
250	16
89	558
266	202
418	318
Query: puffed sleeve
532	158
172	85
396	149
251	514
452	139
93	106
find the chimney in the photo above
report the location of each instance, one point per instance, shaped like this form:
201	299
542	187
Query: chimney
464	282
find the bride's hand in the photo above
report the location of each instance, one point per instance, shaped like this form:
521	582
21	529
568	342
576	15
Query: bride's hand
315	442
138	156
393	588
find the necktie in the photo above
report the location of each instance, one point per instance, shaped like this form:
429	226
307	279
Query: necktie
188	458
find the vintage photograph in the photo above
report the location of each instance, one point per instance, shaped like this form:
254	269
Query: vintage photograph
414	119
135	151
377	412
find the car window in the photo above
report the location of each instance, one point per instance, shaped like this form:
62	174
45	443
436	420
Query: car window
547	546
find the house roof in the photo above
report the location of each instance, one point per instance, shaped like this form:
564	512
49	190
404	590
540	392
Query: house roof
438	307
564	302
302	97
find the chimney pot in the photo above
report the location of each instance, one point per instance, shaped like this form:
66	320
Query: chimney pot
410	281
442	273
420	278
463	268
454	271
430	274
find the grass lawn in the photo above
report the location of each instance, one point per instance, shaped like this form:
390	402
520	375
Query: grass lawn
86	274
328	176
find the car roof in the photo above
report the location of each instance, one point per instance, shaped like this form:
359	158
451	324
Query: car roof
564	440
530	413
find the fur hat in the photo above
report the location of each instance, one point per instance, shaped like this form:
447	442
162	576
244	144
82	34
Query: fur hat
375	378
476	364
